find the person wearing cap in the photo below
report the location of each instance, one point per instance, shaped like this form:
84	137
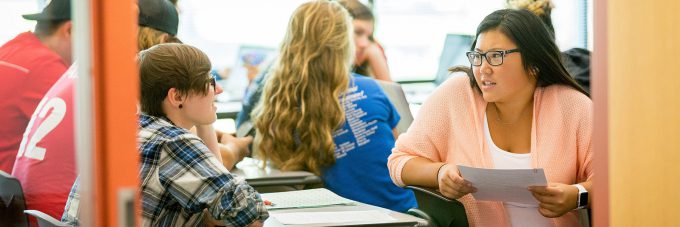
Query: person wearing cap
30	64
158	23
48	178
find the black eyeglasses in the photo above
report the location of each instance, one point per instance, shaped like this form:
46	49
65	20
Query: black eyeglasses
494	57
212	82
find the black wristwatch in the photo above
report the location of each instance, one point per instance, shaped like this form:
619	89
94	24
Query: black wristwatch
582	199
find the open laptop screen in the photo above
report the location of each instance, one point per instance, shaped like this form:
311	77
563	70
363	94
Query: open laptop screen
453	54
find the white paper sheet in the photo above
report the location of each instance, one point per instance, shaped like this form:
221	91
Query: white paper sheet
301	218
507	185
318	197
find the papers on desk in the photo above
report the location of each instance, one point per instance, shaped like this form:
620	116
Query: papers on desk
317	197
302	218
507	185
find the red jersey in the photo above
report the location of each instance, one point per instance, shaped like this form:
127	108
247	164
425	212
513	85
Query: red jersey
45	162
27	70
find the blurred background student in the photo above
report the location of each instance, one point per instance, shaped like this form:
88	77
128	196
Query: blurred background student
30	64
370	57
576	60
317	116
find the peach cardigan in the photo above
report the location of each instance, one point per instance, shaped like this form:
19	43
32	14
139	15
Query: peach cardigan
450	128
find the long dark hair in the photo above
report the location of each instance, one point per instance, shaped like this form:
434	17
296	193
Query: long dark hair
534	41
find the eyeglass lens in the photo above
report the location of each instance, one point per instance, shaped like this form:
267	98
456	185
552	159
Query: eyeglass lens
494	58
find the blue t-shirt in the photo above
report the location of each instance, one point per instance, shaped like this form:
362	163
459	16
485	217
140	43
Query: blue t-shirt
362	146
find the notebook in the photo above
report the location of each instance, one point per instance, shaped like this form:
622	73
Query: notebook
334	217
318	197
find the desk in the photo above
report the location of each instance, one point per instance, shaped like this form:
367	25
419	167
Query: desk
401	219
228	109
250	169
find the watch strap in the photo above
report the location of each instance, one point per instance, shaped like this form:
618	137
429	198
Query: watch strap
582	197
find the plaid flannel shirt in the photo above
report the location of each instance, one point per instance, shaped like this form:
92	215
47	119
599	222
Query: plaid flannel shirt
72	208
181	178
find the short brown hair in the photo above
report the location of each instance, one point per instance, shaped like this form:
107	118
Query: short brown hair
171	65
47	27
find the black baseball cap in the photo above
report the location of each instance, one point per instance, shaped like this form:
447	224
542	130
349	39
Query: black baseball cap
55	10
158	14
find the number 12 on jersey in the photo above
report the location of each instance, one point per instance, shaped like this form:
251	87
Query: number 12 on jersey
47	120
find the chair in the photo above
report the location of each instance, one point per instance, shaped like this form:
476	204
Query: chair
584	217
438	210
45	220
12	202
395	93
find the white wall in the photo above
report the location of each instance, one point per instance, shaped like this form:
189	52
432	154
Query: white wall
11	21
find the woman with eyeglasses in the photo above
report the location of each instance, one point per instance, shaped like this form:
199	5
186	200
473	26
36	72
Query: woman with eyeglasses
519	110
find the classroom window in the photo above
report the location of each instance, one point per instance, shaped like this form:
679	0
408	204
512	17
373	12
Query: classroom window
411	31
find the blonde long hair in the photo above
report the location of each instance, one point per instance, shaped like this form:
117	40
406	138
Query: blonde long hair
542	9
301	106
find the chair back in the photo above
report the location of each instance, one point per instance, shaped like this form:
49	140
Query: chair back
45	220
12	201
438	210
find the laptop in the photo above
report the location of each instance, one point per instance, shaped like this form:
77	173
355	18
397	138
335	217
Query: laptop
453	54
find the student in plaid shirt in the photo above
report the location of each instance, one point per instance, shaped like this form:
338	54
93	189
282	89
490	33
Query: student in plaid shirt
184	182
181	177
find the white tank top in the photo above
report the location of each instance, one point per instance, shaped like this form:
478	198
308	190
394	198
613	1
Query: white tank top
519	214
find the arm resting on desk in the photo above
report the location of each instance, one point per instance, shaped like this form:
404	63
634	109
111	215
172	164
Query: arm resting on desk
234	149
